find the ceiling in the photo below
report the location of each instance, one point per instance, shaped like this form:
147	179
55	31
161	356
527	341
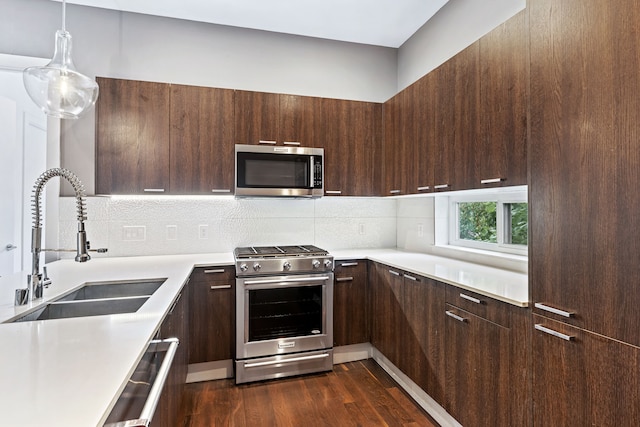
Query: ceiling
376	22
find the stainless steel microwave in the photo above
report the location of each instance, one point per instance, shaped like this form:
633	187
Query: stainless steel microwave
278	171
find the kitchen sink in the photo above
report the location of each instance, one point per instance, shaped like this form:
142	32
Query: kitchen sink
114	289
97	299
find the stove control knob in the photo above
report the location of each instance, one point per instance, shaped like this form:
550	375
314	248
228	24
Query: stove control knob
244	267
286	266
315	263
257	266
327	263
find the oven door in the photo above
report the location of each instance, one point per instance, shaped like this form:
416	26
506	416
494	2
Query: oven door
277	315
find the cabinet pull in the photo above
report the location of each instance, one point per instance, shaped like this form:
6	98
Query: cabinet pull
344	279
491	181
441	186
553	310
395	191
455	316
153	190
349	264
554	333
333	192
415	279
291	143
214	288
267	142
220	190
395	273
425	188
469	298
216	271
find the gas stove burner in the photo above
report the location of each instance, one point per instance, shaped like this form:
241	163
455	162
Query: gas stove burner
278	251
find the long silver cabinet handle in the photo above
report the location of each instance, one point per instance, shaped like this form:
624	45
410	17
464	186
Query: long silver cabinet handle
554	310
216	271
425	188
344	279
292	280
333	192
469	298
262	141
441	186
293	359
395	191
220	190
395	273
491	181
455	316
214	288
552	332
291	143
345	264
153	190
415	279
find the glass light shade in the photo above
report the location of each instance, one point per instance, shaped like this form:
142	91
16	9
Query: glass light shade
57	88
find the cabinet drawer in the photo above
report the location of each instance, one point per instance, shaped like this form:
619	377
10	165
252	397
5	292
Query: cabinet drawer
350	270
480	305
213	274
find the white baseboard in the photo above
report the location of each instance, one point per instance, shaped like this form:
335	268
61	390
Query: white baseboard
427	403
208	371
351	353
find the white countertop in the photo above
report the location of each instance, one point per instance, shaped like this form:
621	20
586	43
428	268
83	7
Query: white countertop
69	372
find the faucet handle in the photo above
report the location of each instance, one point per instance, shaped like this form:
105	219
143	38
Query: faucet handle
46	281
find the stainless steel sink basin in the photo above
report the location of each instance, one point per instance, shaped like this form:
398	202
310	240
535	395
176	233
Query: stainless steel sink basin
114	289
97	307
97	299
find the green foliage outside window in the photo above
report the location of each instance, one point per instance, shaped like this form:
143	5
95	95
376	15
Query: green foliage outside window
519	223
478	221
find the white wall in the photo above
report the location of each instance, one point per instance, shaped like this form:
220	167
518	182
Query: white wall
457	25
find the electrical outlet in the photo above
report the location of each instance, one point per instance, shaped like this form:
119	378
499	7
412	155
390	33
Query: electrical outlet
203	231
172	232
133	233
420	230
361	228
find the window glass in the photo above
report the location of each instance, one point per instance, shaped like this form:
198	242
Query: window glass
518	223
477	221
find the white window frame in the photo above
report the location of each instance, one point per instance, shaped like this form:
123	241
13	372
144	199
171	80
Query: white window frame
502	199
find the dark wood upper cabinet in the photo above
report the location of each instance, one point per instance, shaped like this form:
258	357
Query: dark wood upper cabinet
351	134
132	137
425	141
585	163
257	117
202	140
503	105
299	121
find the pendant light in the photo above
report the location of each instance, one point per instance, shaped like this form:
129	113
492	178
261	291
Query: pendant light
57	88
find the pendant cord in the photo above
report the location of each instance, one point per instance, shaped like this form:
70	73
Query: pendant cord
64	13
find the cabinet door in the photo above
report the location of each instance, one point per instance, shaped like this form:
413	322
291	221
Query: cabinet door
425	139
132	137
256	117
394	149
299	121
351	137
585	163
504	71
457	120
212	318
423	339
387	319
477	370
589	380
202	141
349	303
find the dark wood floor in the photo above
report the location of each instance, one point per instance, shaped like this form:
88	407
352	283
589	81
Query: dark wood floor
354	394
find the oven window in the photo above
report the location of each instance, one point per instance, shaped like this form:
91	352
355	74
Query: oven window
286	312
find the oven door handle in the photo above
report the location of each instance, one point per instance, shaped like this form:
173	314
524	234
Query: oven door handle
291	360
288	280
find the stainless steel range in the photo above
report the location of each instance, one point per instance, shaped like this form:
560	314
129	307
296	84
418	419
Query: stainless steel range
284	311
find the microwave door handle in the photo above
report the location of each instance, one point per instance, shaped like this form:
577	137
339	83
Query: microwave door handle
312	164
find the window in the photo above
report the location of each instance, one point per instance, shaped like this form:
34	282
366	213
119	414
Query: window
491	221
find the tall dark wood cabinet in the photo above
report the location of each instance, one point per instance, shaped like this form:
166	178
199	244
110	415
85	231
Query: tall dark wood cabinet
132	137
351	134
584	204
202	136
350	313
501	148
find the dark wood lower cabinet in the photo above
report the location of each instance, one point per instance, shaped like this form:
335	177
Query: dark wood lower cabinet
386	311
212	315
586	380
349	303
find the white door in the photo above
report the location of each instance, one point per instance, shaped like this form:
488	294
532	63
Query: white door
23	151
